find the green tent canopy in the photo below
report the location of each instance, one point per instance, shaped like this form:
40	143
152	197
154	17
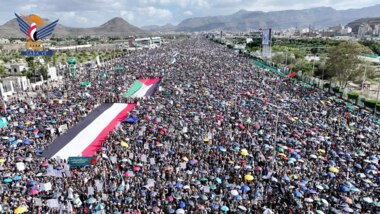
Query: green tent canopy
84	84
3	121
72	60
271	69
103	75
119	68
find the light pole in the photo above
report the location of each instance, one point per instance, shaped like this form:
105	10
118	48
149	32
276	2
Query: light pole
365	74
377	98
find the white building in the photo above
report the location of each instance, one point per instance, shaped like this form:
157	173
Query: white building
11	85
346	30
71	47
19	83
336	29
18	42
376	30
4	41
364	29
52	73
17	68
156	41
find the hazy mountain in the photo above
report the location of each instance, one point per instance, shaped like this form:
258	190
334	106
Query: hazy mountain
371	21
150	27
156	28
114	27
246	20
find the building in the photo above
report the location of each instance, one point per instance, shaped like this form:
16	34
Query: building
18	42
346	30
364	29
10	85
4	41
340	30
19	83
17	68
52	73
336	29
156	41
376	30
75	47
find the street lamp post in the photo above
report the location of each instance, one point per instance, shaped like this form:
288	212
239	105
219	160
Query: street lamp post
365	74
377	99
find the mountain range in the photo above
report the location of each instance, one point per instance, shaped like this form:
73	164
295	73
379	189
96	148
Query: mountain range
156	28
114	27
244	20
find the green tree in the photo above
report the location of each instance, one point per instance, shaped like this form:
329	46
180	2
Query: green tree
344	62
279	58
43	71
2	70
31	64
299	54
320	68
304	66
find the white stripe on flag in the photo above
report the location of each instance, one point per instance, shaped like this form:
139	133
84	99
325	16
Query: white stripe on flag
142	91
80	142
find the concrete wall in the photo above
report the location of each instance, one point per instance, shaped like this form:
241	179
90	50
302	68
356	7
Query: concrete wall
12	85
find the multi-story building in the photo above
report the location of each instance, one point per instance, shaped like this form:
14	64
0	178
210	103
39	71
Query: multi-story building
376	30
346	30
364	29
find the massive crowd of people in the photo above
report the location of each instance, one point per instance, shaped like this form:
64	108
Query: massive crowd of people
219	136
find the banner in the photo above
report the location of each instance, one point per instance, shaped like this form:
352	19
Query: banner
62	128
267	36
79	161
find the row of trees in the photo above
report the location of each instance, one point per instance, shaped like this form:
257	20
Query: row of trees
338	60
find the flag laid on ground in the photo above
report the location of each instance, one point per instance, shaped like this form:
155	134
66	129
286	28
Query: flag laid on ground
87	136
142	88
85	84
3	121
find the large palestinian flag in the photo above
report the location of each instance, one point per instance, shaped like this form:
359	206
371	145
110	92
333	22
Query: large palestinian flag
142	88
87	136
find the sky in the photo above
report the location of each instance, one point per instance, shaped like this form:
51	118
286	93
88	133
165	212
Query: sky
91	13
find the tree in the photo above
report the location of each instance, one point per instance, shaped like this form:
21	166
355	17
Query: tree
30	62
320	68
299	54
43	71
279	58
304	66
2	70
344	62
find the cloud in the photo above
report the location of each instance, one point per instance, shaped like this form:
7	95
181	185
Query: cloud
79	13
155	12
188	13
28	7
69	17
129	15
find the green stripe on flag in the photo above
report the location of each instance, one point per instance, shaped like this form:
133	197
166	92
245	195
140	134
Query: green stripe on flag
3	121
134	88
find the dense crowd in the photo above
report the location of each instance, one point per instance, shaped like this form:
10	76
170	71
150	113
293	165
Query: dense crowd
219	136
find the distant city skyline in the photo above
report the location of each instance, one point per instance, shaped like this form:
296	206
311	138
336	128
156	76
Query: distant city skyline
78	13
